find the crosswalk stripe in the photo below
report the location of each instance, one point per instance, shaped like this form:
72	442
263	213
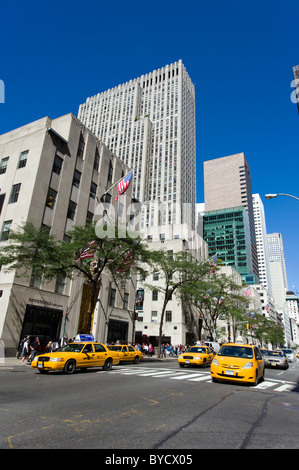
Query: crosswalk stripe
185	376
201	379
156	374
264	385
284	388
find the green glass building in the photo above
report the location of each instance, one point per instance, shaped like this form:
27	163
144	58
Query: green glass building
227	232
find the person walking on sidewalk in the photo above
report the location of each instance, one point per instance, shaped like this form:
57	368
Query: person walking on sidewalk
25	350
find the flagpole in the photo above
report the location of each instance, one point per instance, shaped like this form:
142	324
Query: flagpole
113	186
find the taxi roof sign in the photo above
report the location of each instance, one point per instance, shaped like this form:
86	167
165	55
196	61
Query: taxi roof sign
85	337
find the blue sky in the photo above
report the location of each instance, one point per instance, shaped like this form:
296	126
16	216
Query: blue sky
239	55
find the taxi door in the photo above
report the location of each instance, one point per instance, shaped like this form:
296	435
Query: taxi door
126	354
87	358
100	354
259	360
210	354
131	353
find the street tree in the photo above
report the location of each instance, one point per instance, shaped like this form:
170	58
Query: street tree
215	296
175	271
34	251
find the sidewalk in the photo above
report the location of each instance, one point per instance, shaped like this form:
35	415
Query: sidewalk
10	362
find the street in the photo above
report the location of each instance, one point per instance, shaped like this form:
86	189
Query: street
154	405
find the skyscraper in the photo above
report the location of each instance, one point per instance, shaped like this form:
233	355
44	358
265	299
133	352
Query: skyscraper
227	184
149	123
276	254
261	242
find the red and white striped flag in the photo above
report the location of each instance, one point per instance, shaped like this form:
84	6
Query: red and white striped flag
124	184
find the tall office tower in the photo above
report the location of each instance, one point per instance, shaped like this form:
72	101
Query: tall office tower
149	123
261	242
276	254
227	184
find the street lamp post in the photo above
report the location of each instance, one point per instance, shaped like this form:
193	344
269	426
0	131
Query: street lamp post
271	196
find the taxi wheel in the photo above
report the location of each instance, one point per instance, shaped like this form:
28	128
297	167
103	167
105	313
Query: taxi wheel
136	360
204	364
69	367
107	365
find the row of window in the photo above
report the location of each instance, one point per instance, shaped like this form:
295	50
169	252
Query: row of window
154	316
21	164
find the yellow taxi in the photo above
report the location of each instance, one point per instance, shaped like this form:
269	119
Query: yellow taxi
238	362
126	352
80	355
196	356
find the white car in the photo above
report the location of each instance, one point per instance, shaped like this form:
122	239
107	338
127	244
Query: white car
290	354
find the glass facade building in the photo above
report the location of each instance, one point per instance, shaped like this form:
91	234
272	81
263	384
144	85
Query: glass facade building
227	233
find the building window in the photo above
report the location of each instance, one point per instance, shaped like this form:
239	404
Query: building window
3	165
15	191
154	316
60	284
23	159
156	276
155	295
93	190
77	178
57	165
35	280
126	301
81	147
6	230
51	198
89	216
110	172
112	297
71	213
96	162
139	315
168	316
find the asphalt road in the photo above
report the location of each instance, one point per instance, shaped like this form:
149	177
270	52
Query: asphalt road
154	406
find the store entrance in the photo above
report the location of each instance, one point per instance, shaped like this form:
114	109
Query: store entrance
117	331
42	322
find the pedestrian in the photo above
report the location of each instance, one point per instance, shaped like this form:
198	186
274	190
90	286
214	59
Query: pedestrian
25	350
34	349
20	349
150	350
49	347
55	345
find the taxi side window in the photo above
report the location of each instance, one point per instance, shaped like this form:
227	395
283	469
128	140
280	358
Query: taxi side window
130	348
257	354
87	348
125	349
99	348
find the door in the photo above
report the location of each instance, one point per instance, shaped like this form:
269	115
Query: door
87	356
100	355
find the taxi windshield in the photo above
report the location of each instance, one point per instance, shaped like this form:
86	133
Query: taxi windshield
73	347
196	349
236	351
115	348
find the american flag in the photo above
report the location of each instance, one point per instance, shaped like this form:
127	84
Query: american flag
247	292
126	262
124	184
88	252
